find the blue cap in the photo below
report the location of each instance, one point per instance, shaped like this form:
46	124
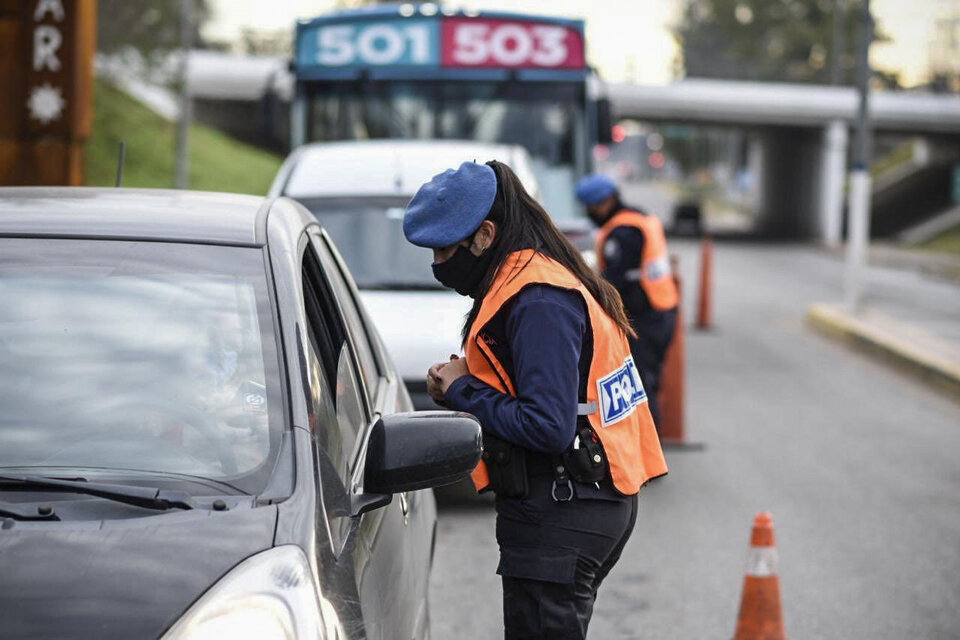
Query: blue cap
451	206
595	188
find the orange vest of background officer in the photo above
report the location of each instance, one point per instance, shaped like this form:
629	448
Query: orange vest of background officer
615	403
654	271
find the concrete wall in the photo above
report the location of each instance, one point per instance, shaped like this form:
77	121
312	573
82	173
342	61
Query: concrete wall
264	123
789	180
921	192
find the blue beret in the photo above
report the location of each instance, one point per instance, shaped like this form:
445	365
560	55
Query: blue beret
451	206
595	188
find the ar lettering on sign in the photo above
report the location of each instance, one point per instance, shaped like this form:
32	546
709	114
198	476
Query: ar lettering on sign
46	102
47	38
53	7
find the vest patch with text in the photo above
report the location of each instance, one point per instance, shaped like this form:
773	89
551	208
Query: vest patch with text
620	392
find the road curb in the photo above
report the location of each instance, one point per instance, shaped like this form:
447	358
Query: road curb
884	344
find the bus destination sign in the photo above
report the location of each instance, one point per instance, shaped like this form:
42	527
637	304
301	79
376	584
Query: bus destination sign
475	42
442	42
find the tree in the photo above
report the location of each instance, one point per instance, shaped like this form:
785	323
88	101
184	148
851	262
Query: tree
147	26
770	40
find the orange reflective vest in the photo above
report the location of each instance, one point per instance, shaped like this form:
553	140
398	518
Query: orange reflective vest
654	270
616	404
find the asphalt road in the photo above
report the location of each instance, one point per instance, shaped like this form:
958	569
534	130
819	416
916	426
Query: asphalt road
859	463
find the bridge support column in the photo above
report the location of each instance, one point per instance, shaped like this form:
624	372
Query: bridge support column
833	169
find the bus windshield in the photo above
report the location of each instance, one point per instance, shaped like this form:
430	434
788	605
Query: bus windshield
547	119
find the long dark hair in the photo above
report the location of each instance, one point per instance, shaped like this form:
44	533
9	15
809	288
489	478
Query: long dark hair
523	224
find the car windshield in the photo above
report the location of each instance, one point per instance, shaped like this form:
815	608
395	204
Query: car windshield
139	356
368	233
545	118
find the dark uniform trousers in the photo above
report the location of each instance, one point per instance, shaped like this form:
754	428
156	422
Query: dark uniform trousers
654	334
554	555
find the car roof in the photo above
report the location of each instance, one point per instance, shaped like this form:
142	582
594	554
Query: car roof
380	167
147	214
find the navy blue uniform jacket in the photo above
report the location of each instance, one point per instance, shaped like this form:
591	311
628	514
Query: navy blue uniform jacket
543	340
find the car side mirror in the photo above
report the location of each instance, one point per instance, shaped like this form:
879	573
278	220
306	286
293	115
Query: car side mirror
422	449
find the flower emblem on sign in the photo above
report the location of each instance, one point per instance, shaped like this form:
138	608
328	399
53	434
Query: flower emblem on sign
46	103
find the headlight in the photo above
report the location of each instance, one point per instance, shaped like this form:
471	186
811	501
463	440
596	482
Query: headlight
270	596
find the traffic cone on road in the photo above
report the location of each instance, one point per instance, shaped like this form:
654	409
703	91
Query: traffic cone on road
671	396
760	616
705	297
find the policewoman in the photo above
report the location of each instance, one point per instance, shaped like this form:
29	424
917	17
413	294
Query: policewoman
632	255
568	436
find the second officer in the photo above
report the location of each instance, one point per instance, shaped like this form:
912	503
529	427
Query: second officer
632	255
568	436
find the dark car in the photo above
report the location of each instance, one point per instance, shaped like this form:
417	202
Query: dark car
687	219
201	435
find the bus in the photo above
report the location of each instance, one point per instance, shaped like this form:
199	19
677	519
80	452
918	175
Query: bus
425	71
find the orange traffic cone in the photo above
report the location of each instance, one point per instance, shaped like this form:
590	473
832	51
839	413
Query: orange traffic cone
705	298
760	613
672	376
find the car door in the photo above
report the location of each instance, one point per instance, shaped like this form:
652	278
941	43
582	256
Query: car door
391	557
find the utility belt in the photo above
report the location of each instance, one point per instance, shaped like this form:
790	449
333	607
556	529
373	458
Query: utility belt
510	466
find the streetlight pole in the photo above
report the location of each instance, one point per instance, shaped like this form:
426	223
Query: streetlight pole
837	43
186	105
858	237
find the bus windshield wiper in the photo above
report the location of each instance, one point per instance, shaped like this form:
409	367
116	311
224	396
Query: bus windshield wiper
146	497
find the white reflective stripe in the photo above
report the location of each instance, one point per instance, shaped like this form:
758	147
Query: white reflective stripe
659	268
762	562
653	270
586	408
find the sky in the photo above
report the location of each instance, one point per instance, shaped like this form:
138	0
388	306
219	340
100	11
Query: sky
627	40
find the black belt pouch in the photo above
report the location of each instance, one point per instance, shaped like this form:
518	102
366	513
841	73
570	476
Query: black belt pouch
506	466
588	463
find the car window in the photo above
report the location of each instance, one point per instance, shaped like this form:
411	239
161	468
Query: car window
331	349
355	326
332	465
337	412
138	356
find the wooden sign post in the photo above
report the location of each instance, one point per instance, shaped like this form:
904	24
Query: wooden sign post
46	89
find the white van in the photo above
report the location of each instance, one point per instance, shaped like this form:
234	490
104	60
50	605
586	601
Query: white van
359	191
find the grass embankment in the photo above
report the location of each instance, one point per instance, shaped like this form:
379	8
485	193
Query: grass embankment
217	161
946	242
899	156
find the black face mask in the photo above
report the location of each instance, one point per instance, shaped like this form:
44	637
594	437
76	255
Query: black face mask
463	271
600	219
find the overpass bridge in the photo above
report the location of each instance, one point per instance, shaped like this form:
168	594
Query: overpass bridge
797	136
798	139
